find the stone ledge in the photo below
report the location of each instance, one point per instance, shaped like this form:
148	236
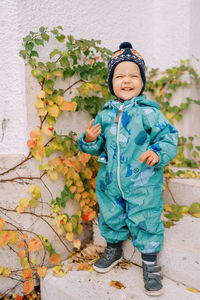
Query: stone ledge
84	285
179	258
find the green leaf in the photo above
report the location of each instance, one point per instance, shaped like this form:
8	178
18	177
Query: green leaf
27	38
197	147
39	42
60	38
32	62
54	52
45	37
29	46
22	53
42	29
34	53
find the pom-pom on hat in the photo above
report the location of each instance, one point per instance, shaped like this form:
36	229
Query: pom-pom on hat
125	53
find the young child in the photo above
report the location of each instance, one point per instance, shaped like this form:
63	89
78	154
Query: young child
135	141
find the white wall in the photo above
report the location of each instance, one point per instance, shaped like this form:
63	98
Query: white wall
163	31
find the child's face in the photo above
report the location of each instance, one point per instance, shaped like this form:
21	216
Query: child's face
127	80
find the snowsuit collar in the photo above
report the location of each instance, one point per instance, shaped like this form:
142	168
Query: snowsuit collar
139	100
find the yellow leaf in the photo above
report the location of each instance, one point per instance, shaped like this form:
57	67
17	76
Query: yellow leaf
24	262
2	223
55	259
42	112
70	236
68	227
53	175
24	202
58	271
197	215
6	272
39	104
53	110
42	271
35	244
77	244
35	191
192	290
33	203
33	261
14	237
117	284
48	130
59	100
28	286
41	94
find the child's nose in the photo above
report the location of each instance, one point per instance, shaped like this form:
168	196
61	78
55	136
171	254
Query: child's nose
127	79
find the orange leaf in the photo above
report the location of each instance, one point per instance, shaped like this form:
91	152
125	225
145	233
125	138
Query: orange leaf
84	157
83	267
21	253
27	274
89	216
42	271
55	259
28	286
68	106
25	236
35	134
4	238
53	110
20	244
117	284
31	144
2	223
35	244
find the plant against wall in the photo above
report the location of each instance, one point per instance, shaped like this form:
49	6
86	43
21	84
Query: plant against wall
84	61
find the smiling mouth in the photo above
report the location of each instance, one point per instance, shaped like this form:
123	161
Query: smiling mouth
127	89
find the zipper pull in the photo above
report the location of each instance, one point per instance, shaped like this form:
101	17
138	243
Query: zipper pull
119	114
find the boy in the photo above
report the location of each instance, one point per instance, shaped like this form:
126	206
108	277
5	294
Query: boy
135	141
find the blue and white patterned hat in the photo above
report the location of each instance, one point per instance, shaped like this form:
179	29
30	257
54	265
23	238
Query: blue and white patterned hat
125	53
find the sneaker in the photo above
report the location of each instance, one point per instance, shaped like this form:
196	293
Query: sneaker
109	258
152	279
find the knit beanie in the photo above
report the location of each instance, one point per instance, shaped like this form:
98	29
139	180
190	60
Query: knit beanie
125	53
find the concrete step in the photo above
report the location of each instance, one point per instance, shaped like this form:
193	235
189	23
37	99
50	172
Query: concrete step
84	285
184	191
180	255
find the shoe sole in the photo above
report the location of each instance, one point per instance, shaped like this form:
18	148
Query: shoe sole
105	270
154	293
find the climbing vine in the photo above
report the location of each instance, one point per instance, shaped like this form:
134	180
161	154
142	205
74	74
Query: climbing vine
84	62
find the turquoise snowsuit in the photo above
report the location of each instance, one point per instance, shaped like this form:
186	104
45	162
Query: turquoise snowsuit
129	193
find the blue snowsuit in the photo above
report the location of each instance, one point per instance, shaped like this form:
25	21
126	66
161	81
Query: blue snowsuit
129	193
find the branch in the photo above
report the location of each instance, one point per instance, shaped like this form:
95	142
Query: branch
13	168
80	80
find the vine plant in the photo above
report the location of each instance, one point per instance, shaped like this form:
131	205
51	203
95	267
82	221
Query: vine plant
84	62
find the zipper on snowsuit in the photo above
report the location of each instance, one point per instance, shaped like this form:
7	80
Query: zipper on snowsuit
118	120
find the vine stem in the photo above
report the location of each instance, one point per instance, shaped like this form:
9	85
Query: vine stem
42	218
21	178
80	80
13	168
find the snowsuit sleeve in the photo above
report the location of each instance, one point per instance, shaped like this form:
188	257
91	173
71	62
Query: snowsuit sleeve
96	147
163	137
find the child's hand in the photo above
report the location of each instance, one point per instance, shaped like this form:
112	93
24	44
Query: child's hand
92	132
150	156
